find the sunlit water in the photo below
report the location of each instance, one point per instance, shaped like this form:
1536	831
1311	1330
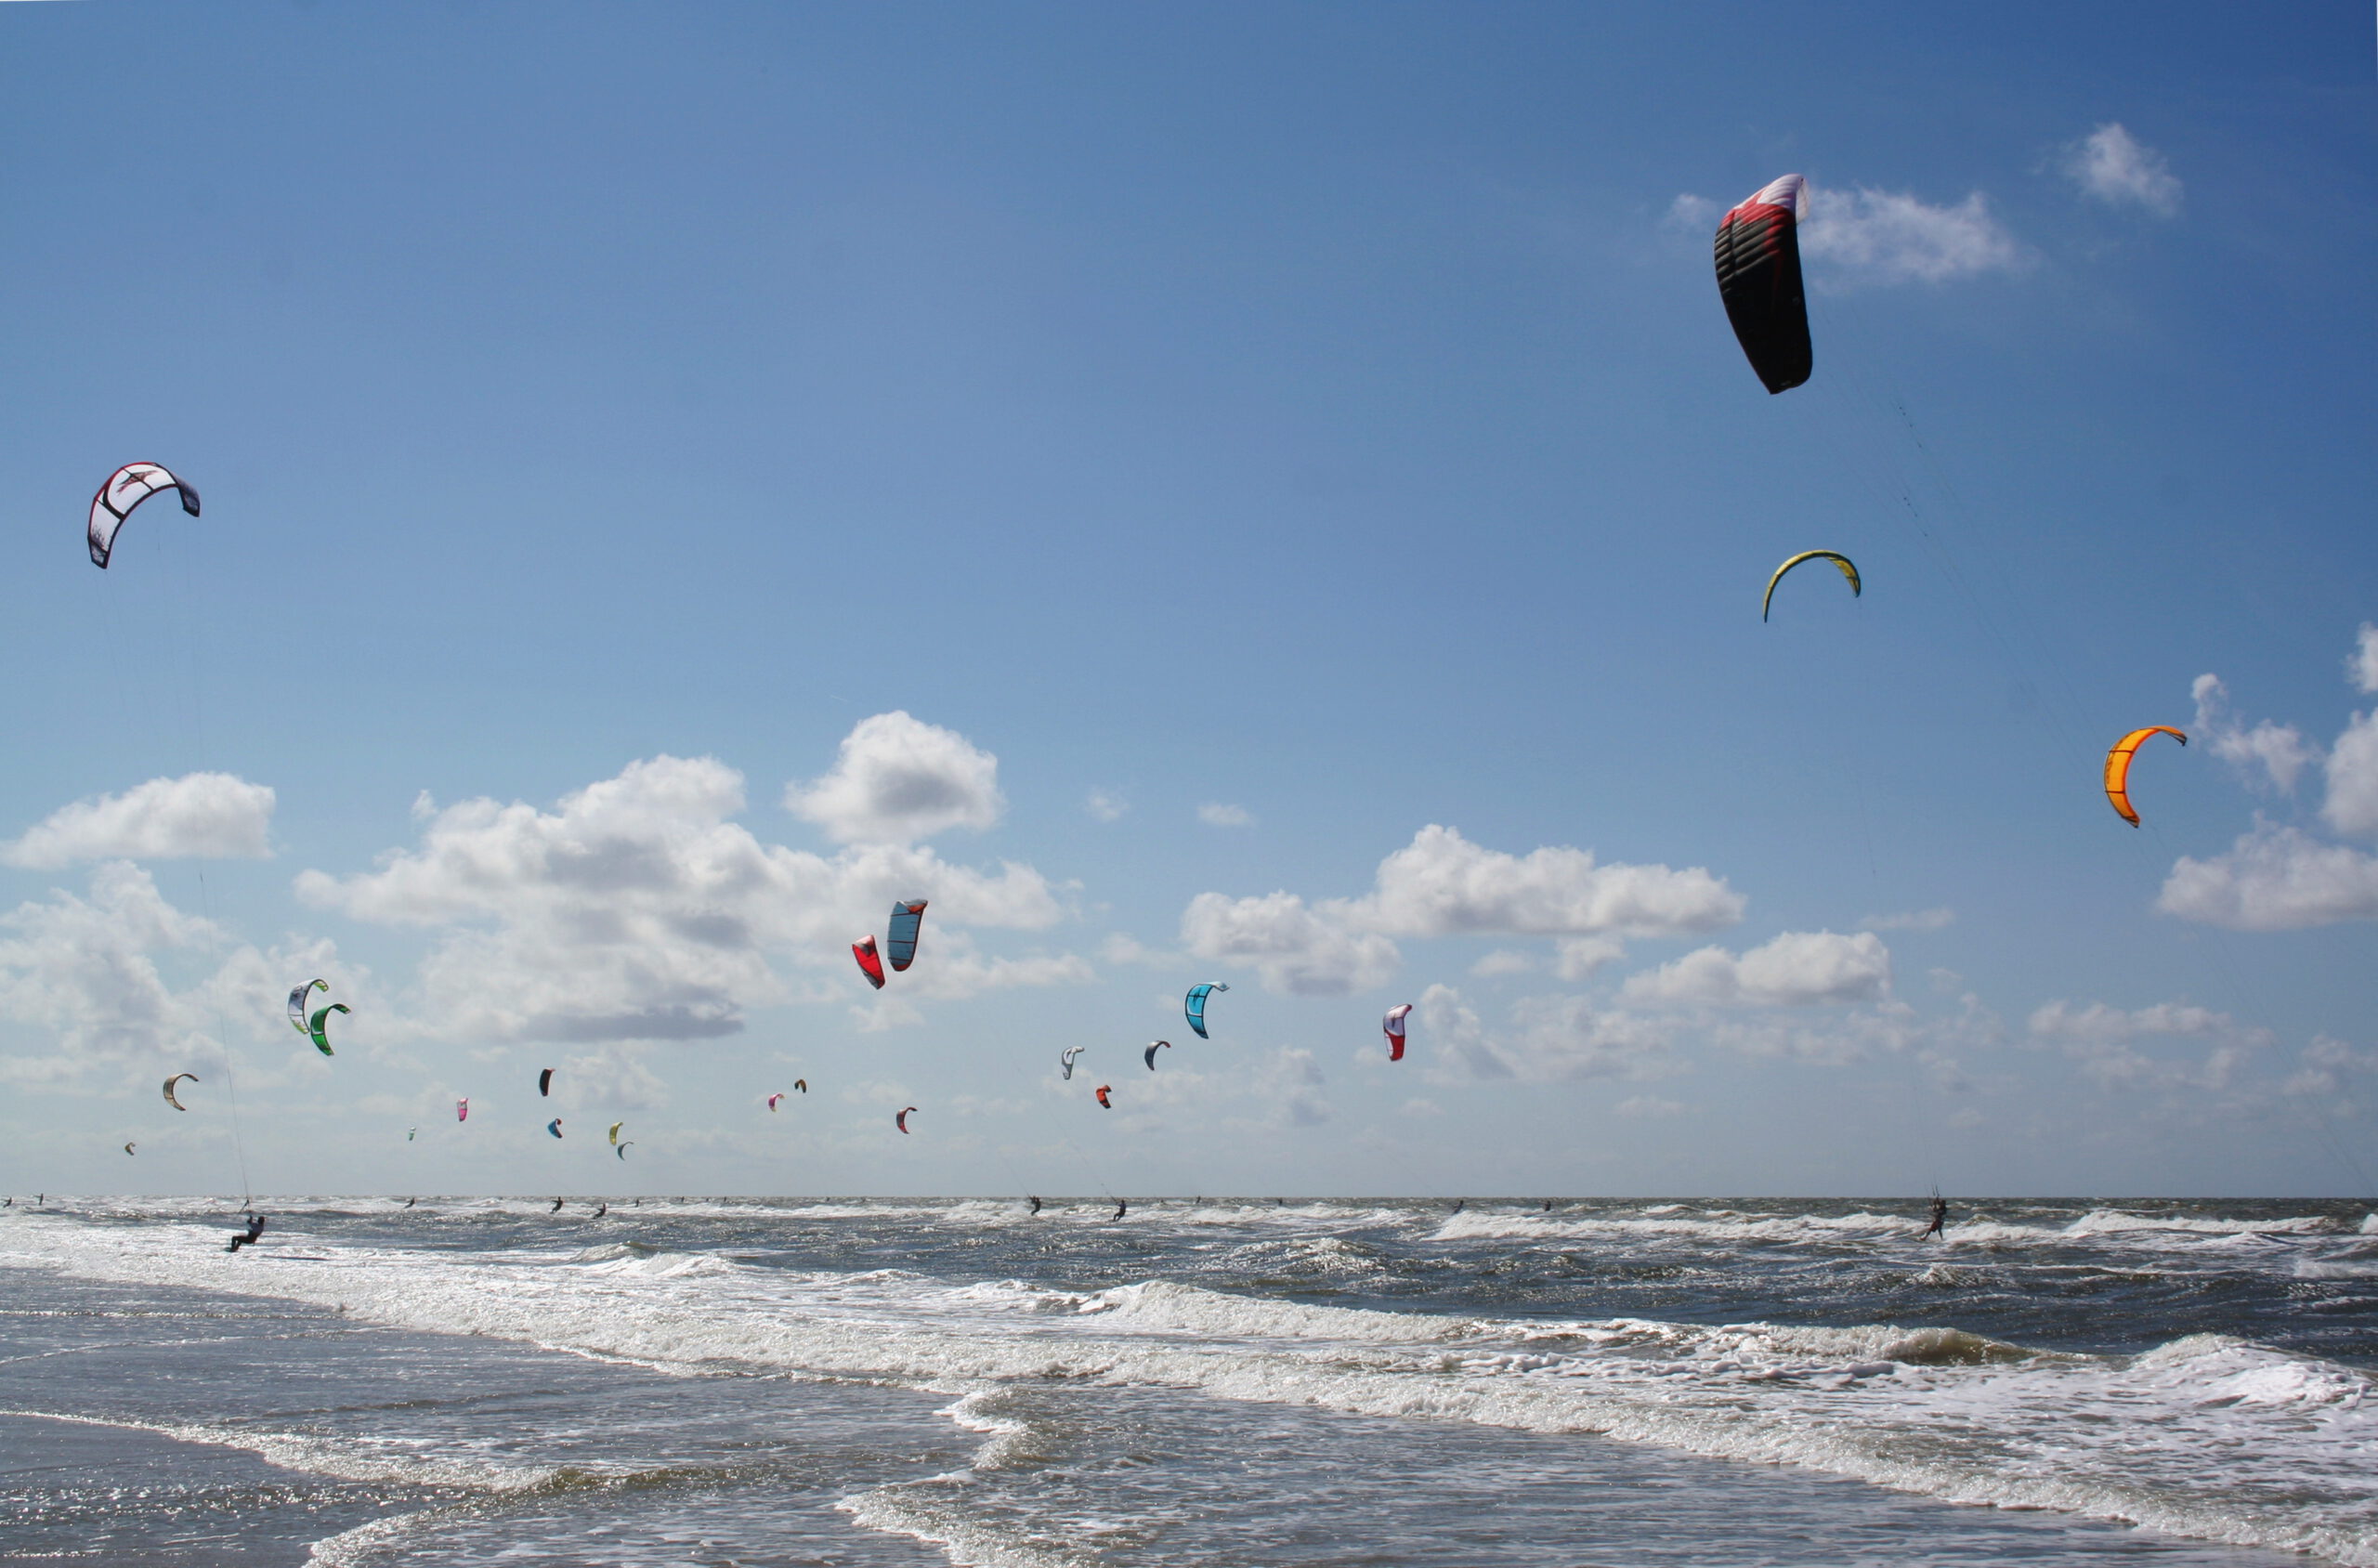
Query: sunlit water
756	1383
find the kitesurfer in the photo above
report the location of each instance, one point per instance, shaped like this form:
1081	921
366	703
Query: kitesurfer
255	1229
1122	1206
1459	1203
1036	1206
601	1209
555	1209
1940	1218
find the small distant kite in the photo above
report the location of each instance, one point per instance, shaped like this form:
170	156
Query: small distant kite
125	489
128	1148
614	1134
1195	1006
774	1098
544	1083
901	1121
869	963
2118	767
553	1127
900	935
178	1077
1759	278
622	1149
1149	1054
318	1027
462	1110
408	1132
1849	571
297	1002
802	1084
1066	1057
1393	1025
1105	1090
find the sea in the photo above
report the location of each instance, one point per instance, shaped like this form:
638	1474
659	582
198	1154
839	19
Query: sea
1198	1380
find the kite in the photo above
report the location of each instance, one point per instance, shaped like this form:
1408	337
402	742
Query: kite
773	1099
1835	557
900	937
869	964
623	1148
1196	1006
319	1026
901	1121
125	489
544	1083
802	1084
408	1132
169	1088
297	1002
1149	1054
1393	1025
1105	1090
1759	277
553	1127
2118	767
614	1134
1065	1059
128	1148
463	1110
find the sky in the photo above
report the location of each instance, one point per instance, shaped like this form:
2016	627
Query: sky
1236	493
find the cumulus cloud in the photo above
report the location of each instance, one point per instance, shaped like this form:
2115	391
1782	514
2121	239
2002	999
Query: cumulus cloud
1441	884
899	779
1106	807
1502	960
1291	1083
2116	168
1913	920
197	817
1582	957
1552	1038
1293	948
2272	753
1797	968
2325	1065
2101	1037
1215	814
83	972
2361	664
2274	879
1694	215
637	909
2351	805
1869	236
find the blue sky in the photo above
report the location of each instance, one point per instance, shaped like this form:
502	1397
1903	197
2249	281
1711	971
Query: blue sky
1290	476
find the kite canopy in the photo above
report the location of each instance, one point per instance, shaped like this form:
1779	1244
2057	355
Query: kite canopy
773	1099
2118	767
1065	1059
1759	278
1149	1054
1835	557
462	1110
869	964
622	1149
125	489
169	1088
553	1127
900	935
1393	1025
802	1084
297	1002
901	1121
1103	1090
318	1027
614	1134
1196	1006
544	1083
128	1148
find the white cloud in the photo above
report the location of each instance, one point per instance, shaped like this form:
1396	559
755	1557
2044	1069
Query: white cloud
637	910
2351	805
1293	948
1106	807
1215	814
1913	920
199	815
2268	752
1441	884
1694	215
1502	960
2361	664
1582	957
1647	1105
2112	165
83	971
899	779
1553	1038
2100	1039
1290	1082
1869	236
2327	1063
1797	968
2274	879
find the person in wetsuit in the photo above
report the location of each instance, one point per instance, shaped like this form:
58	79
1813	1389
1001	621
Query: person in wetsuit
1122	1206
1036	1206
248	1238
601	1209
555	1209
1940	1218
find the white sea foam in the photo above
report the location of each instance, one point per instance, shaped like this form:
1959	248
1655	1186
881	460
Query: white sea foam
2207	1436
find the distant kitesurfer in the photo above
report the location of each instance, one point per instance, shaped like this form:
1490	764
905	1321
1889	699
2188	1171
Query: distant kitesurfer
1547	1206
255	1229
1036	1206
1940	1218
1459	1203
411	1201
1122	1206
555	1209
601	1209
